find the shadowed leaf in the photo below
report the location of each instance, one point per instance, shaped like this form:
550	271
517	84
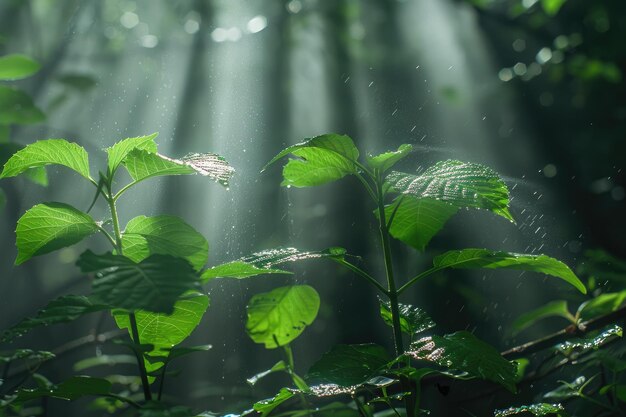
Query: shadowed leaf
348	365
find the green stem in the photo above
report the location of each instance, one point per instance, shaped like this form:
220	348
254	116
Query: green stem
420	276
362	274
392	293
133	320
297	380
162	382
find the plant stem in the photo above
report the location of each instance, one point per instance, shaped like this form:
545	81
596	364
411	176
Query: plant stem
362	274
131	316
391	284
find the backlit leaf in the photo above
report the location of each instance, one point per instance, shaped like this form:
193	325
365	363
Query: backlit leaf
165	235
483	258
17	66
62	310
461	184
552	7
154	284
462	351
142	164
386	160
602	304
239	270
412	319
348	365
576	347
17	107
264	407
278	367
277	317
417	220
50	226
48	152
321	159
166	331
118	151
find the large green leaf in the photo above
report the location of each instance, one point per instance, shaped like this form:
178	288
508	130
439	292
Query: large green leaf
71	389
50	226
118	151
417	220
62	310
166	235
348	365
277	317
263	262
264	407
412	319
16	107
461	184
142	164
166	331
48	152
387	160
462	351
552	309
322	159
540	409
154	284
483	258
37	175
17	66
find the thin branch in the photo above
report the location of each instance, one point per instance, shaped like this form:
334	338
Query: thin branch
362	274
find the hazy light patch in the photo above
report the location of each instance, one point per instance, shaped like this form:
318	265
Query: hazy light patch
257	24
505	74
129	20
520	68
294	6
544	55
519	45
549	171
149	41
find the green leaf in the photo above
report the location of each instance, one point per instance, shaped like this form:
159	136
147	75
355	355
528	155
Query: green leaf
322	159
165	235
16	107
263	262
483	258
277	317
568	390
37	175
464	352
79	82
16	67
142	164
552	7
166	331
154	284
62	310
239	270
349	365
417	220
552	309
120	150
48	152
601	305
50	226
412	319
71	389
26	355
180	351
386	160
278	367
576	347
265	407
462	184
541	409
104	360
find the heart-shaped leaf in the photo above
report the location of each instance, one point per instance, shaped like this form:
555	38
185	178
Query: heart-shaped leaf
50	226
277	317
164	331
165	235
154	284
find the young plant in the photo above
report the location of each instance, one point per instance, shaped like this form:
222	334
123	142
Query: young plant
151	279
412	209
